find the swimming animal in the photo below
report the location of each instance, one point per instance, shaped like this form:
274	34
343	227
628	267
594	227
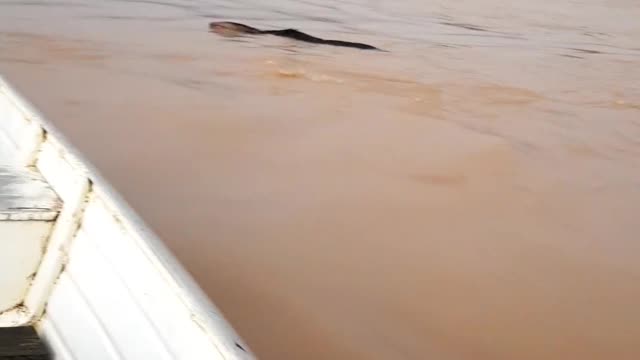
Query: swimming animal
227	28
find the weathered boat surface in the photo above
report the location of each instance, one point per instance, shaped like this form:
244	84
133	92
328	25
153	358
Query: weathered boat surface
82	267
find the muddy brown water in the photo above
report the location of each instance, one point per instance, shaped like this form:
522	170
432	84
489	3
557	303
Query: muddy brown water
471	194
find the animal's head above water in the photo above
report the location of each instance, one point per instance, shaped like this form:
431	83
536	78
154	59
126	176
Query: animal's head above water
227	28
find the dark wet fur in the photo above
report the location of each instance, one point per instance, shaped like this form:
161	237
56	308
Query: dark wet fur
288	33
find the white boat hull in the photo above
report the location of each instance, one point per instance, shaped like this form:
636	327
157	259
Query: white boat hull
105	286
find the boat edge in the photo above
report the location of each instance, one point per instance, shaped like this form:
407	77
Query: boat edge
204	312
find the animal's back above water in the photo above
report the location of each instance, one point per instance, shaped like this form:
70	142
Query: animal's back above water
228	28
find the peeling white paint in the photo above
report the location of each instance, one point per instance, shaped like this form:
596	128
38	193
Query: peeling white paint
73	187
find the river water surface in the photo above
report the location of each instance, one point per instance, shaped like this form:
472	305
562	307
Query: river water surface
471	194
